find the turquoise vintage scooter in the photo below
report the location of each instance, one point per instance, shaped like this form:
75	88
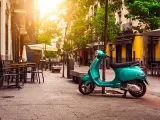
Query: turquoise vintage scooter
128	77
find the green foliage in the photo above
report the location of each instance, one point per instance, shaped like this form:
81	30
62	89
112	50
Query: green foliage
79	35
46	31
79	8
82	30
67	46
50	54
98	23
58	46
146	11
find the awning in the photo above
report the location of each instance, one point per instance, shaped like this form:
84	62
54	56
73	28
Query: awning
123	40
42	47
152	33
100	43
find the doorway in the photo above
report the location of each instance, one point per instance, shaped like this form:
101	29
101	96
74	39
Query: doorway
151	51
119	53
128	52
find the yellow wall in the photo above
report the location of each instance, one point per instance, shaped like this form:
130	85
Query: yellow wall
113	52
137	46
123	51
158	50
107	49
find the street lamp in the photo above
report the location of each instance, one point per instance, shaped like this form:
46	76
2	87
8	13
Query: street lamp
63	63
63	48
105	42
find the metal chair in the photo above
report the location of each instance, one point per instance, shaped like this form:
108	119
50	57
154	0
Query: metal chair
11	72
37	71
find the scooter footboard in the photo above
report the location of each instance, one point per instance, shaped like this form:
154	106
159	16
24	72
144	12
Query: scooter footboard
86	78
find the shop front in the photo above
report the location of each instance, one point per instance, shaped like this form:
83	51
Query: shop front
128	48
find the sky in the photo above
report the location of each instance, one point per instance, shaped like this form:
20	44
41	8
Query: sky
47	6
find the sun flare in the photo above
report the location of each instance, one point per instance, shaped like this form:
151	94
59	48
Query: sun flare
47	6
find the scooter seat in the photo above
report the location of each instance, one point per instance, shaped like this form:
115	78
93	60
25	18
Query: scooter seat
127	64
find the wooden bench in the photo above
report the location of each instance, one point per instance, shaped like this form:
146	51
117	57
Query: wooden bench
76	75
56	69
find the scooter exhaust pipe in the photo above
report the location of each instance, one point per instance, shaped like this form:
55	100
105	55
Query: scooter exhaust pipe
132	87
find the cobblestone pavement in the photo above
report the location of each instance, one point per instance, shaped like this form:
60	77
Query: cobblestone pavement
59	99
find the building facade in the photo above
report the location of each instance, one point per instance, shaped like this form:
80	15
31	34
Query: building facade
130	45
5	30
22	26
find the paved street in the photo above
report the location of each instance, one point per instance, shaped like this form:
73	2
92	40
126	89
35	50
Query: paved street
59	99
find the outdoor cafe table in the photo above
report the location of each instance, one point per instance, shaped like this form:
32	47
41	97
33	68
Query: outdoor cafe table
9	69
25	65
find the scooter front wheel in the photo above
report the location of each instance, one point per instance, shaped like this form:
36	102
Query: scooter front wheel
86	89
142	91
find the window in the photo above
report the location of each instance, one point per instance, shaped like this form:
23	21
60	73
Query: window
95	9
119	17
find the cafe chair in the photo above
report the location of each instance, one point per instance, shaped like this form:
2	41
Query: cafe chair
11	72
37	71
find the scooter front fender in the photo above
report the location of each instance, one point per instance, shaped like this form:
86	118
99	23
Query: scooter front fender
86	78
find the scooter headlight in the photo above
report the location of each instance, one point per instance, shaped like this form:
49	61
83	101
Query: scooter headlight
142	75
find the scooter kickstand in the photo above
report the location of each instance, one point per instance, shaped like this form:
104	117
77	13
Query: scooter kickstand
125	93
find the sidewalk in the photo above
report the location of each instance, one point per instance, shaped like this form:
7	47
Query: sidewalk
59	99
154	82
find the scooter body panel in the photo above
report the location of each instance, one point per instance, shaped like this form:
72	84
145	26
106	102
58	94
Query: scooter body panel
131	73
86	78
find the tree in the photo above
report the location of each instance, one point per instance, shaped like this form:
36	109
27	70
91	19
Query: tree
50	54
47	30
58	46
98	23
146	12
77	36
81	29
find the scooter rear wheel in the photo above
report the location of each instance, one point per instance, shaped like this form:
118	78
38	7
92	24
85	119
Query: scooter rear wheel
86	89
142	86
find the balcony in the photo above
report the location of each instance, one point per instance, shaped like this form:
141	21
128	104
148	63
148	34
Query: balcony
127	28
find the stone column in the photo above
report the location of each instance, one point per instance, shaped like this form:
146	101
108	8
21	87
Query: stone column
9	38
3	8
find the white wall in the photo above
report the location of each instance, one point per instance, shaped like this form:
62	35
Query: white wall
3	6
3	31
10	56
123	13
